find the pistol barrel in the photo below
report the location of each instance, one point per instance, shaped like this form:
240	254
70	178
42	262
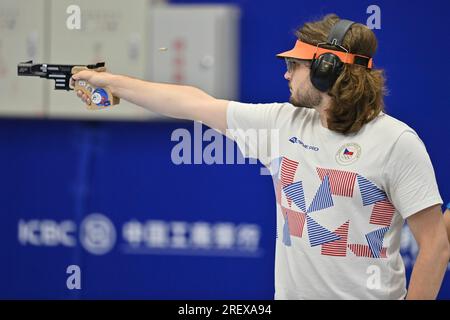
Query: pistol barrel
30	69
60	73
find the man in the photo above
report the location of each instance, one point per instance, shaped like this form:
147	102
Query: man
346	176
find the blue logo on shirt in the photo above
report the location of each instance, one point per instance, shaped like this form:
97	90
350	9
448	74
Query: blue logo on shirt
300	142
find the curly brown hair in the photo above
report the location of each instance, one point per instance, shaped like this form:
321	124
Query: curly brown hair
357	95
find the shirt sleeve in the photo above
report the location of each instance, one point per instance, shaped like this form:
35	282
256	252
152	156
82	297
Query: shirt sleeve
409	172
253	128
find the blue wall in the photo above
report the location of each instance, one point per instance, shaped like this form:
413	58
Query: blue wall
66	170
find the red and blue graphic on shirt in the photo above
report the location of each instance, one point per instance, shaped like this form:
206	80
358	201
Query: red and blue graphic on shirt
333	183
347	152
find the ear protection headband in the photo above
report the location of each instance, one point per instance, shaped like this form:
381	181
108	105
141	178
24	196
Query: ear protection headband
326	67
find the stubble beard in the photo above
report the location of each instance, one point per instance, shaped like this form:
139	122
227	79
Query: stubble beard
308	97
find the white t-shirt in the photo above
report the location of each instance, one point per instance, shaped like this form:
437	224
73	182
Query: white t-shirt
341	200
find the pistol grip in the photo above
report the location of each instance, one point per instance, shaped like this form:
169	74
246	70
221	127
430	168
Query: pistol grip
100	97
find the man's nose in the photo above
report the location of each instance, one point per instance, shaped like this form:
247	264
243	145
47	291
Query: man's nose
287	75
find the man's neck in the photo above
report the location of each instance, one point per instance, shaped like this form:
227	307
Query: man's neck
322	110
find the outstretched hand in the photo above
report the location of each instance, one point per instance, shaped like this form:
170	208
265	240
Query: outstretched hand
97	79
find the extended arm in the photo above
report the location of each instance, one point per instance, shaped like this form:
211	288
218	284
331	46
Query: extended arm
183	102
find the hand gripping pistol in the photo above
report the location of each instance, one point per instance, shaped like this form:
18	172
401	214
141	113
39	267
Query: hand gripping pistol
61	73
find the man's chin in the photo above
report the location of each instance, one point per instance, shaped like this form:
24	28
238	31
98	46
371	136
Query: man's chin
296	103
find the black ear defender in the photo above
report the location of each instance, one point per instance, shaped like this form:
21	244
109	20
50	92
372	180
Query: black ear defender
326	68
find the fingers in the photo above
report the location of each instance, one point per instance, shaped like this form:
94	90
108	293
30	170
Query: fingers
84	97
85	74
81	75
